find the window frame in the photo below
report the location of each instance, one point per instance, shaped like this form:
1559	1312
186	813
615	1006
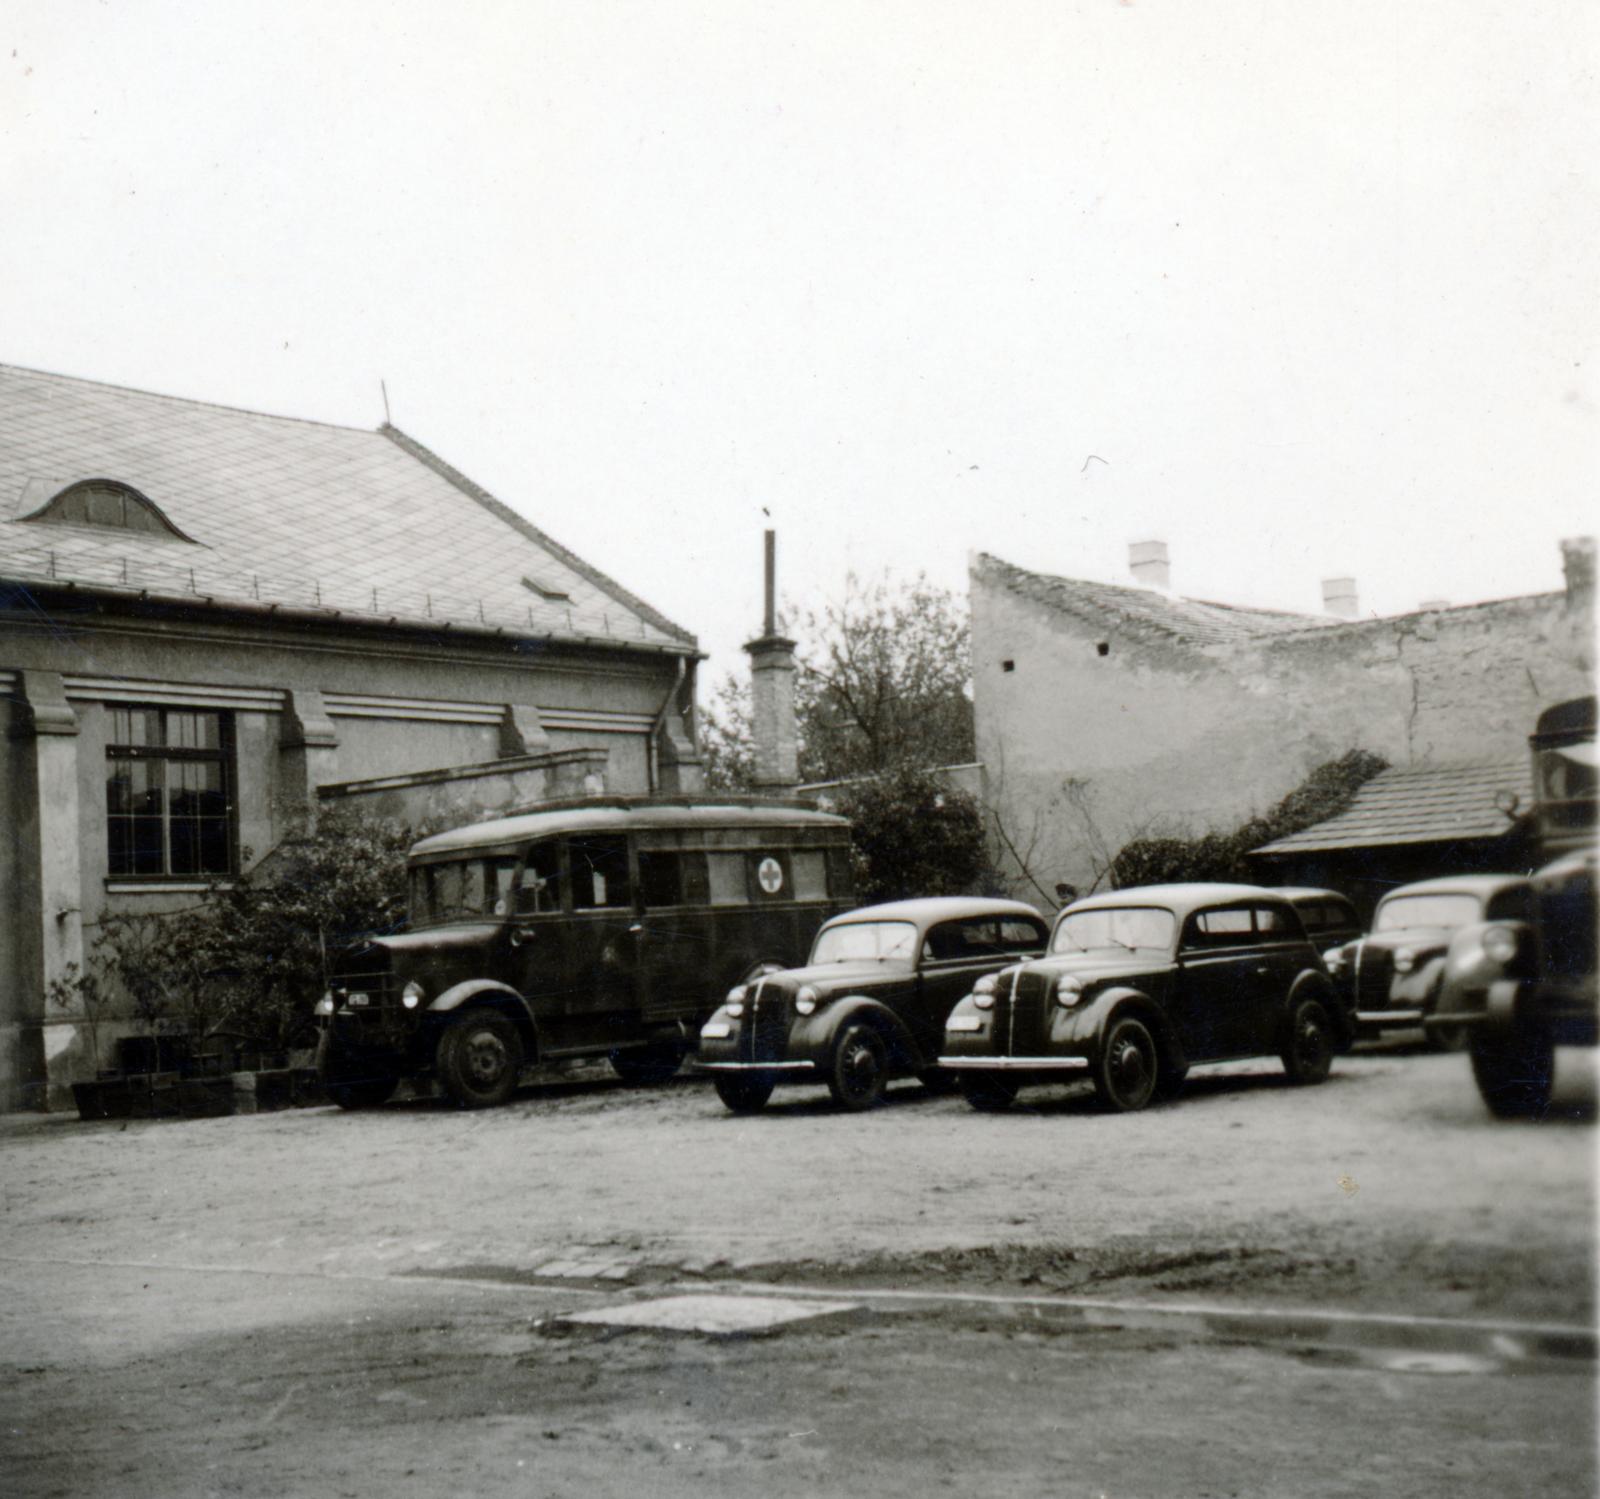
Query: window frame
166	754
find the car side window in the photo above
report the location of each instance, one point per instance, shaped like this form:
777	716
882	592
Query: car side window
1020	935
1227	928
951	940
1276	923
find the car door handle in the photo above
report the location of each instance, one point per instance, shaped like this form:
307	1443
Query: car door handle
1263	971
635	929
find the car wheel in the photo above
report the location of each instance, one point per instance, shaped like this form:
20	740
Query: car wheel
859	1069
744	1095
1127	1066
1309	1055
986	1093
479	1058
646	1066
1514	1071
350	1084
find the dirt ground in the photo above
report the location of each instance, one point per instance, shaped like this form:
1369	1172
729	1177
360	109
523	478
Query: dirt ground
317	1302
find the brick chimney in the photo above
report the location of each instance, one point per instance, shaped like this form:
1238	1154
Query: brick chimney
1147	561
1577	563
772	668
1339	597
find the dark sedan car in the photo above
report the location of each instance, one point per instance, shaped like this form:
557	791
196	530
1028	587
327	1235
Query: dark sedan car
1140	984
1330	919
1393	975
869	1004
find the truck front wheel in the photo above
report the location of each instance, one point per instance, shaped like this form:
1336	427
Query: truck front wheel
479	1060
1513	1070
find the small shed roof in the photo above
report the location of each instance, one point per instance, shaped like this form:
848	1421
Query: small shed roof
1434	804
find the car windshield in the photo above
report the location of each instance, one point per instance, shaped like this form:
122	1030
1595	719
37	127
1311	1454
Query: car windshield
1446	908
883	941
1116	929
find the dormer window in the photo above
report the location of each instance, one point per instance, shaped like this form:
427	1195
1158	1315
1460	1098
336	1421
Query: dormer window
105	503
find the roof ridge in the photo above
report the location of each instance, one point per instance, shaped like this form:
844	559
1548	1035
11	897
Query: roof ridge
159	395
501	511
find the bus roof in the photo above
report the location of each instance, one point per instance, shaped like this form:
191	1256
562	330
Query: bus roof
605	814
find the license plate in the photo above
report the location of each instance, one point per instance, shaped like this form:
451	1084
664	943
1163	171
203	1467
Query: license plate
716	1030
358	999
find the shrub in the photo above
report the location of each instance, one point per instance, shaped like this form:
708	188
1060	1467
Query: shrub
914	835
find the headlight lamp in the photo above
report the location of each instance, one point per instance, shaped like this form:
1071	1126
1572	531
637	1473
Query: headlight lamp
736	993
1405	960
735	1007
1334	958
983	991
411	995
324	1006
1069	990
1500	944
805	1002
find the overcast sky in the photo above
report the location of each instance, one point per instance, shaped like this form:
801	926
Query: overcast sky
1316	284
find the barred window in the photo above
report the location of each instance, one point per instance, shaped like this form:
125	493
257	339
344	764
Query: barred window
168	792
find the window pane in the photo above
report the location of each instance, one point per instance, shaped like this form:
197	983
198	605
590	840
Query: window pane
599	872
727	879
810	869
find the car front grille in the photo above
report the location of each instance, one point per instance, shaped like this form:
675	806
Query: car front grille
768	1030
1029	1002
1374	973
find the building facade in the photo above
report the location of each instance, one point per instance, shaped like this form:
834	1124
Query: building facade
215	623
1106	713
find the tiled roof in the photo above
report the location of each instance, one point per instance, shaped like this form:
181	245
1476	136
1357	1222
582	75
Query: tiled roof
288	512
1438	804
1189	620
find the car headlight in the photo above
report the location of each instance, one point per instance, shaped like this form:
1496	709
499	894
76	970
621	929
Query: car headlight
1500	944
983	992
735	1007
1069	990
1334	958
736	993
1405	960
324	1006
411	995
806	1000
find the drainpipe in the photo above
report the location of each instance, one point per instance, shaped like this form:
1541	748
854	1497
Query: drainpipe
653	760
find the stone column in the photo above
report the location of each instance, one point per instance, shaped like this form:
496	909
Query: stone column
777	738
308	751
46	904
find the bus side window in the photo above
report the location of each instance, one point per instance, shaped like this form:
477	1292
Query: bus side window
539	891
599	872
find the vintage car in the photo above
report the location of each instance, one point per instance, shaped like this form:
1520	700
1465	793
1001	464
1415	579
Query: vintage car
1393	974
595	927
870	1002
1139	985
1524	981
1330	919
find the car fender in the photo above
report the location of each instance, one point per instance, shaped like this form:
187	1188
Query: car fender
1313	983
1470	974
1420	987
814	1036
487	994
1088	1024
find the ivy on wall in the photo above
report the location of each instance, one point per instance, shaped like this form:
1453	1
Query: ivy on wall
1325	793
